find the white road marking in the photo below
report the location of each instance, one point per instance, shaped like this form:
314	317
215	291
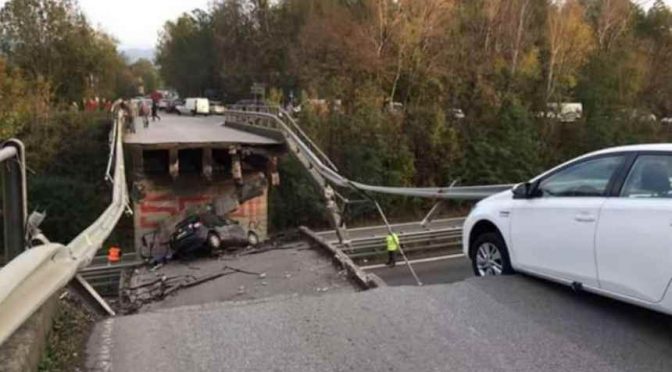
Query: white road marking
422	260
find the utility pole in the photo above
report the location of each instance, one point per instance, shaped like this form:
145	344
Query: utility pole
13	197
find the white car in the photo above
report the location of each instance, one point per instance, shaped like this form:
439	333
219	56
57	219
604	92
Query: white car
601	222
217	108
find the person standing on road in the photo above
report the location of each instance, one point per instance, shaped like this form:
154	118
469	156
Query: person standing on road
392	241
155	110
144	112
129	119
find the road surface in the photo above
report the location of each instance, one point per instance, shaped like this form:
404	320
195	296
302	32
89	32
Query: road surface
175	129
482	324
433	272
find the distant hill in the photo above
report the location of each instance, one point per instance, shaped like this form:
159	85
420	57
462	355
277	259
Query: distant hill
135	54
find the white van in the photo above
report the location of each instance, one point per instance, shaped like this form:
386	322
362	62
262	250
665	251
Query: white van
194	106
566	112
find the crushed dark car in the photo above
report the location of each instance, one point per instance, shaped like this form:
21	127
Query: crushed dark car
205	232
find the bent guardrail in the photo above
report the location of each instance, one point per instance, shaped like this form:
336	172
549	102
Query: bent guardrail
38	273
273	118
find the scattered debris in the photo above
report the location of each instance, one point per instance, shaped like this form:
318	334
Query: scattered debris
271	268
134	297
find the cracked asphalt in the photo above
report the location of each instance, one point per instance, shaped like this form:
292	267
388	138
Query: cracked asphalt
481	324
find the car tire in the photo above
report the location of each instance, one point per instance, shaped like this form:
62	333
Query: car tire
252	238
489	255
214	241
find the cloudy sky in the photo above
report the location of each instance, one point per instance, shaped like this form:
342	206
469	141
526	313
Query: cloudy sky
136	23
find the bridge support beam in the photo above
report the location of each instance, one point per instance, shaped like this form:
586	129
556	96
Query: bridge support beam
138	162
207	163
173	163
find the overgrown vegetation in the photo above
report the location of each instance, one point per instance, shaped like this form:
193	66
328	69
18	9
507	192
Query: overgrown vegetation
70	331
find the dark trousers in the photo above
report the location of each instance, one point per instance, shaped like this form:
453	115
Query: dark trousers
391	258
155	114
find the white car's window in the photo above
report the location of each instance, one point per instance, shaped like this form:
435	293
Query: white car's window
588	178
649	177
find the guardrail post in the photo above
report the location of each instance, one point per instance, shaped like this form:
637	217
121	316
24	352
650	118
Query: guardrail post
14	200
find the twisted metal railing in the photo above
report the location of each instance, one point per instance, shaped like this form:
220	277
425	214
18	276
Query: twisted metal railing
34	276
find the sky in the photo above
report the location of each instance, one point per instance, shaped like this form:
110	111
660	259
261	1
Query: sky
136	23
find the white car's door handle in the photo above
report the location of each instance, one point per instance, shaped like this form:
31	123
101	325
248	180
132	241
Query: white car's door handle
584	218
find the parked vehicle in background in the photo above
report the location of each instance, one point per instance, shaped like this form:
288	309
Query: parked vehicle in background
394	107
565	112
171	107
138	101
207	231
457	113
217	108
600	222
666	121
194	106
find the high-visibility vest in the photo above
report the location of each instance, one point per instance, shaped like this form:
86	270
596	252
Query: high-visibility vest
392	241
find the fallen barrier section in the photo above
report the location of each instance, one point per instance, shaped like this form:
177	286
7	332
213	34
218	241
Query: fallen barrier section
364	281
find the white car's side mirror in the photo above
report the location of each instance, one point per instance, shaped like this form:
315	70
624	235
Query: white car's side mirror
522	190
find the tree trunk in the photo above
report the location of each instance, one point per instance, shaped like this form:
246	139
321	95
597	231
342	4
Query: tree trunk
519	36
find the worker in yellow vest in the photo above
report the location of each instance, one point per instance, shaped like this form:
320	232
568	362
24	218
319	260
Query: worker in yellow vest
392	241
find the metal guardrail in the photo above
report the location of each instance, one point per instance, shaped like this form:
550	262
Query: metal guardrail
447	236
105	277
38	273
275	118
449	239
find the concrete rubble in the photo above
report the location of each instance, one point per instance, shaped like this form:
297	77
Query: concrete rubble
290	268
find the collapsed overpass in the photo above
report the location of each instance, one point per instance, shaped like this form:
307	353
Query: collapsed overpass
182	164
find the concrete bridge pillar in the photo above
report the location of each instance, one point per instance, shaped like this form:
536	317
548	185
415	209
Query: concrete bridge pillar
207	163
138	161
236	167
174	163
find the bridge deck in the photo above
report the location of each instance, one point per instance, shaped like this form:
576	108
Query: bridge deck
175	129
482	324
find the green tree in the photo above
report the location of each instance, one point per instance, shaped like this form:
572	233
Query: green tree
52	40
145	70
186	56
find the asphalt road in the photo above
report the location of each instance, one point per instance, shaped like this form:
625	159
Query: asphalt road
481	324
435	272
172	129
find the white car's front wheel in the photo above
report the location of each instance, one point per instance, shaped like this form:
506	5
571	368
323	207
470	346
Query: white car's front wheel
489	255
